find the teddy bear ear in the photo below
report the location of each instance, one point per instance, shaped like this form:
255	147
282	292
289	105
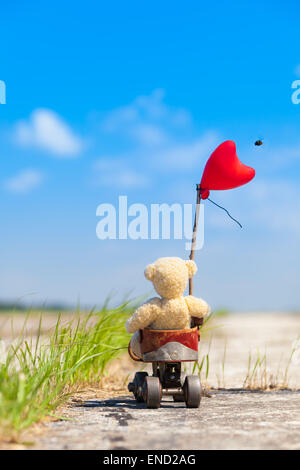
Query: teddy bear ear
149	272
192	267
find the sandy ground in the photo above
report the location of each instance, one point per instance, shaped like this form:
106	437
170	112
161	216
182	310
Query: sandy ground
256	334
109	418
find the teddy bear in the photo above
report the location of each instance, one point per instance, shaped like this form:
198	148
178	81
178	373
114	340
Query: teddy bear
170	311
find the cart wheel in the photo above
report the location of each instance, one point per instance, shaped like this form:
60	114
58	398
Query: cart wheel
138	383
152	392
192	391
178	397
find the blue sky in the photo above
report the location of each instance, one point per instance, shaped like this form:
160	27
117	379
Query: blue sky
131	98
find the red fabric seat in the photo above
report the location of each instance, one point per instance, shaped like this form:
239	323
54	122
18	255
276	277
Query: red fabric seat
151	340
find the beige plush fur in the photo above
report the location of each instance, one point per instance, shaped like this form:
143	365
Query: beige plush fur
172	310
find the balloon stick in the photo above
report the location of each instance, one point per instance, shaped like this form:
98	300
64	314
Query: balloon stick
192	254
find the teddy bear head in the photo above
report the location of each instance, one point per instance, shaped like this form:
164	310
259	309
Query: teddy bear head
170	276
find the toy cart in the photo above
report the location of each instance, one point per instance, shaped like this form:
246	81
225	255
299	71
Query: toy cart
166	350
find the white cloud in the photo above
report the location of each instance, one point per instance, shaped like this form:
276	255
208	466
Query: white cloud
284	156
147	120
117	172
149	134
275	205
47	131
269	159
24	181
265	207
163	137
178	157
186	157
116	118
189	155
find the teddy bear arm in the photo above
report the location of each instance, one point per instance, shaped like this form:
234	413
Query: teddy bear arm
197	307
143	316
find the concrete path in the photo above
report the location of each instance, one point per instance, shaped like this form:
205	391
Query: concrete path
231	419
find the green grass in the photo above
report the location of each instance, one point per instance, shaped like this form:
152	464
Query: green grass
38	374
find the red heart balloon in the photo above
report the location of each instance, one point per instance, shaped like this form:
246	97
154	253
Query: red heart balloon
224	170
